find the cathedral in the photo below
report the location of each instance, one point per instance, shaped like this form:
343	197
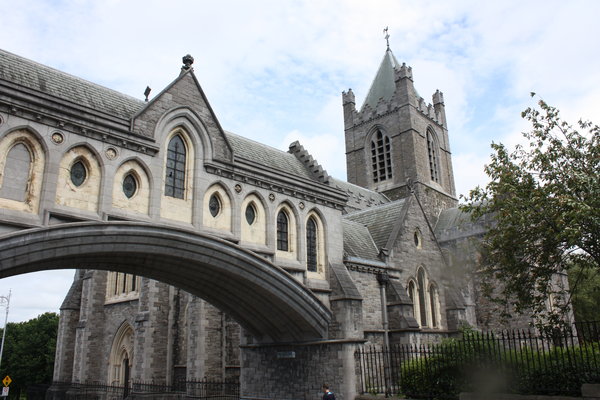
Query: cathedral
386	252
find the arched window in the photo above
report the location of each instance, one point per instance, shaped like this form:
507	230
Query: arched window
311	245
16	173
381	159
22	171
432	154
253	220
433	300
175	174
421	289
282	231
217	209
412	293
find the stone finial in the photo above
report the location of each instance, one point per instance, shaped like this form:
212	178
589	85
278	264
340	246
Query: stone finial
188	60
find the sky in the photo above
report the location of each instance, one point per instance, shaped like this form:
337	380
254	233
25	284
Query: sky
273	71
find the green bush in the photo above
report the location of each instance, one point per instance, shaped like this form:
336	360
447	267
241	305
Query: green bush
477	363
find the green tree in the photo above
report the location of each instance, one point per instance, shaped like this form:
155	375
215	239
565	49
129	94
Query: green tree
29	349
544	197
587	297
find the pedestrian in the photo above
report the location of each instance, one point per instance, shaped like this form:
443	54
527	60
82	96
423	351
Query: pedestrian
327	394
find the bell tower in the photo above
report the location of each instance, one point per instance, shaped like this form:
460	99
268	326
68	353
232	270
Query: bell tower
397	141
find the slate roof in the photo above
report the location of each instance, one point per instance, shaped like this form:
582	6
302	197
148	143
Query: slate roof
453	224
30	74
351	189
358	241
380	220
267	156
384	84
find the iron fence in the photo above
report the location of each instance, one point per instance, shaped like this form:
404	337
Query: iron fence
204	389
524	362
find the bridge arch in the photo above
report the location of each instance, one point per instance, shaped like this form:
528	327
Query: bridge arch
263	298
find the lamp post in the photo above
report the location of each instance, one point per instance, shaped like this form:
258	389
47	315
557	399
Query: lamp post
2	300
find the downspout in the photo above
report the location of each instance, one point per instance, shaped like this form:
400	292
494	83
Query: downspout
383	279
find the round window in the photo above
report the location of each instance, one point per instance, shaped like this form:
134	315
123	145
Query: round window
250	214
129	185
78	173
214	205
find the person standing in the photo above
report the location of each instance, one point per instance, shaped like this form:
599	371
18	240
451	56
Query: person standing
327	394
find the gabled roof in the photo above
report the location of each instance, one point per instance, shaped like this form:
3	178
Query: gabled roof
384	84
380	220
267	156
358	241
32	75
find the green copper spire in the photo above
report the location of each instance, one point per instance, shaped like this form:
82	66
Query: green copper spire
383	85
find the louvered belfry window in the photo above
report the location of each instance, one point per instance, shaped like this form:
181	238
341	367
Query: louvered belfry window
311	245
432	153
381	158
175	179
282	231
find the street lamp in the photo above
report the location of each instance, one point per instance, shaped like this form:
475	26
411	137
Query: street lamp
2	300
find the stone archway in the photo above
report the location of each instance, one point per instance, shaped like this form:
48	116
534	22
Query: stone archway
263	298
121	355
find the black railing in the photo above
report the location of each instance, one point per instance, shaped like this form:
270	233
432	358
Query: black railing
523	362
204	389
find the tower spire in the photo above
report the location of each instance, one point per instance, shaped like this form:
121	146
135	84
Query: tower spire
387	37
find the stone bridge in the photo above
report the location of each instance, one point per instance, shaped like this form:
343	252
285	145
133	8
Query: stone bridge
266	300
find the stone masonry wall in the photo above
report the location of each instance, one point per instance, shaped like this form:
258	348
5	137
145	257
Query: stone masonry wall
298	371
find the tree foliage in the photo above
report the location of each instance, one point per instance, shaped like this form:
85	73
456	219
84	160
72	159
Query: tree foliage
544	197
29	349
587	297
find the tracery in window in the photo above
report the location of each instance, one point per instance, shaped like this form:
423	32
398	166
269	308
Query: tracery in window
175	171
78	173
121	355
432	154
130	185
381	157
282	231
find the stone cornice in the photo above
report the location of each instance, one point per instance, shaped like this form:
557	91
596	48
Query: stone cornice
310	191
66	117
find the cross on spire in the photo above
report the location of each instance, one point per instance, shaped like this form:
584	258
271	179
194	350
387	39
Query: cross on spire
387	37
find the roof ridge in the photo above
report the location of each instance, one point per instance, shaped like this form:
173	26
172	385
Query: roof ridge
375	208
71	76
